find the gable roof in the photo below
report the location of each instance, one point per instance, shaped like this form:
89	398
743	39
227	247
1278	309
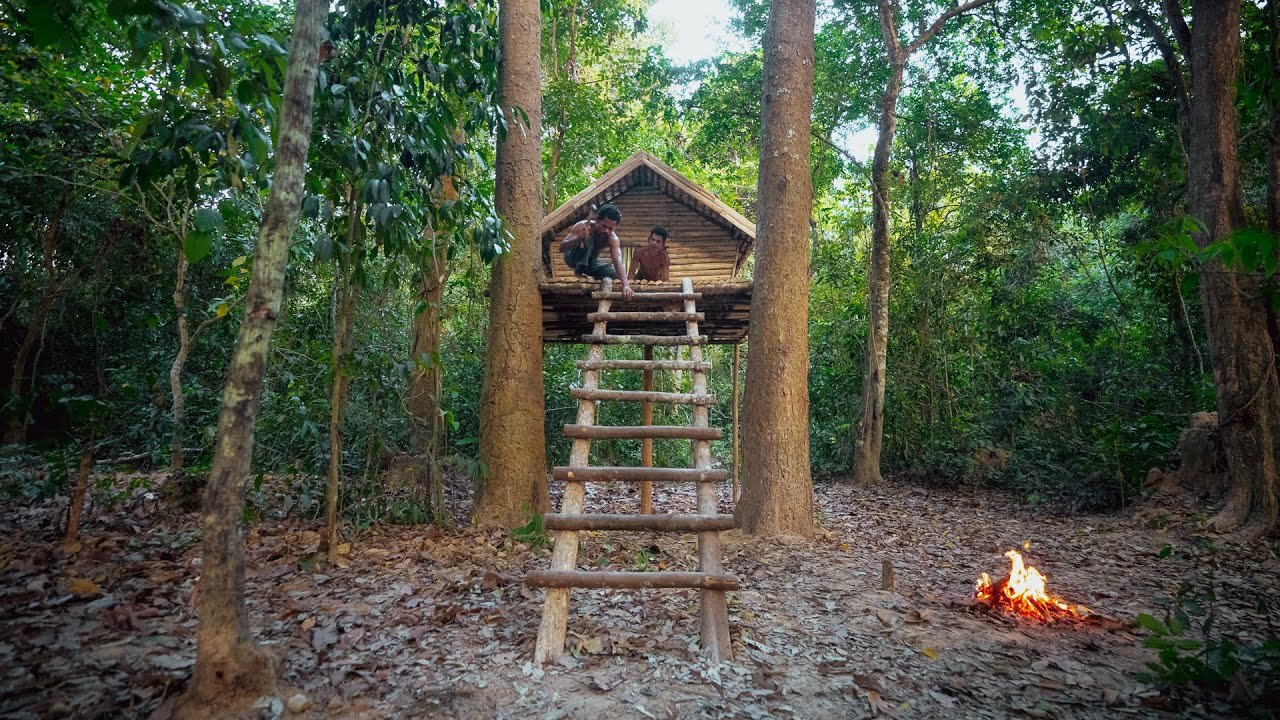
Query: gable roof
645	169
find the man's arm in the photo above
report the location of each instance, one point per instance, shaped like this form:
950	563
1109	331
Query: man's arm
664	266
615	249
635	265
576	235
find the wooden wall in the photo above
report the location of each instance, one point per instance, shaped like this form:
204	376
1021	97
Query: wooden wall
699	248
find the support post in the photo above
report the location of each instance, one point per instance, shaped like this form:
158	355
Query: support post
564	555
737	458
715	612
646	445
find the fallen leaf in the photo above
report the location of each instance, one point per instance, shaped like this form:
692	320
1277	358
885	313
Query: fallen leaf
83	587
930	653
878	705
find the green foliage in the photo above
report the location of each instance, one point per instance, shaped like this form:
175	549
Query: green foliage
532	532
1192	660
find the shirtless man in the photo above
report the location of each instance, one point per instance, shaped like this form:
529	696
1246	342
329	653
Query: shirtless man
652	262
582	246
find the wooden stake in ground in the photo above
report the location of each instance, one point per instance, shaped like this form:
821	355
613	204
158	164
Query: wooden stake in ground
778	496
231	668
512	438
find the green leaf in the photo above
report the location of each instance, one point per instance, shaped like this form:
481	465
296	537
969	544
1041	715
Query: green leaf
337	88
323	249
1149	622
209	220
196	245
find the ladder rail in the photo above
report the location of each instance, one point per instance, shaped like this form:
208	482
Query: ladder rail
714	604
710	580
564	555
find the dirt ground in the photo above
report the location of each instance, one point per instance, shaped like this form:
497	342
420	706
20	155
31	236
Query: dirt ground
416	622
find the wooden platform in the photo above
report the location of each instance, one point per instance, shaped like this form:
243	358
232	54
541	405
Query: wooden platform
566	303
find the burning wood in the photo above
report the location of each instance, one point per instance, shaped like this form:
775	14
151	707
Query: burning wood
1022	592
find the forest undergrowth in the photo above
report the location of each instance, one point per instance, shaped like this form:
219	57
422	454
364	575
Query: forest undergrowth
415	621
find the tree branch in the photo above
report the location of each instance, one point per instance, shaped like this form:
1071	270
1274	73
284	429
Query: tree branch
1178	23
942	20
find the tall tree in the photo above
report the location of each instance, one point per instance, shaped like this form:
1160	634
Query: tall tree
777	494
870	430
1240	344
512	439
231	667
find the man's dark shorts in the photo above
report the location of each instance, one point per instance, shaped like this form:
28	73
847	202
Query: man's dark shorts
579	258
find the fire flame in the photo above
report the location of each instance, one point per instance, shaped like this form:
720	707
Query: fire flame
1023	592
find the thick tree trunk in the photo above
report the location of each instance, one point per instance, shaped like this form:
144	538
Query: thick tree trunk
426	384
1240	348
1273	108
231	668
870	429
179	361
512	438
16	430
777	493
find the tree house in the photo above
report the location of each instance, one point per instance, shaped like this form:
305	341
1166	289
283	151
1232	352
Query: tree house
709	243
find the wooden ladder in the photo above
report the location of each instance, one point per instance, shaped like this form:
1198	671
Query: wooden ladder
563	575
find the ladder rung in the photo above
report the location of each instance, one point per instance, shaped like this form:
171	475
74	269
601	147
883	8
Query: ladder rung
643	365
643	396
601	295
639	432
636	474
645	317
645	339
629	580
666	522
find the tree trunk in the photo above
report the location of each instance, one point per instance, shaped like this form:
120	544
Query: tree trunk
870	430
777	494
1240	349
425	385
1273	109
346	295
231	668
512	438
16	431
179	361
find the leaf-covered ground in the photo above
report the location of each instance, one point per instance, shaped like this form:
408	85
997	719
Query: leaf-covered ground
416	622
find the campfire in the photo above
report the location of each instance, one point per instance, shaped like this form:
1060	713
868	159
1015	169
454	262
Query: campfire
1022	592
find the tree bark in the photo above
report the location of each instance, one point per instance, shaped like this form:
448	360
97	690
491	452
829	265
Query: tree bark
231	668
869	434
426	383
1240	347
346	295
179	361
777	493
16	431
512	438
